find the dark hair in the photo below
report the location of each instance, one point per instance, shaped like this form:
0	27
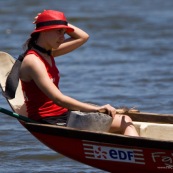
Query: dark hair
31	41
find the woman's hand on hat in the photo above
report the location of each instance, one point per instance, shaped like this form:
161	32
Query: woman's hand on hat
35	18
107	109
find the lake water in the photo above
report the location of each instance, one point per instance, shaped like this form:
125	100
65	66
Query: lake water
127	61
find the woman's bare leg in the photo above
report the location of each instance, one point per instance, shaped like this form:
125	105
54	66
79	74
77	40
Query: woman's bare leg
123	124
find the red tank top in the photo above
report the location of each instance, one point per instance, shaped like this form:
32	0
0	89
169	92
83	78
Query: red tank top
38	104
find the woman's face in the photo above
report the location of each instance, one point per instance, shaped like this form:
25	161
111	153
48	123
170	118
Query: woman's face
54	37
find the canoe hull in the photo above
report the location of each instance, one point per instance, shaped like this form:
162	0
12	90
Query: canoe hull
112	153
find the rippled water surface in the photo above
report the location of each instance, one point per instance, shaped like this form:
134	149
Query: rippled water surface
126	62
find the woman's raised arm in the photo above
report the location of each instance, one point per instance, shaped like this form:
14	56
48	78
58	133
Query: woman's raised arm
76	39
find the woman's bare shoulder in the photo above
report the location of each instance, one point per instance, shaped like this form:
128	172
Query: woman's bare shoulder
32	61
31	66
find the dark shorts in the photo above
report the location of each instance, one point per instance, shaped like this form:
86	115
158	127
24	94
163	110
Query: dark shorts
57	120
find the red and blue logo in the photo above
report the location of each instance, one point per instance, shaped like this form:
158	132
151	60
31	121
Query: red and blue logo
93	150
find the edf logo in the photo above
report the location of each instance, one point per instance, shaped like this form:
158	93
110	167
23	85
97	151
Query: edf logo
121	155
93	150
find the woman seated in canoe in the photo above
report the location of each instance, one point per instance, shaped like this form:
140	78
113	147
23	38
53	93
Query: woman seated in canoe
40	76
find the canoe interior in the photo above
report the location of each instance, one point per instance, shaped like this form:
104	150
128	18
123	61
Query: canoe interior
155	130
148	125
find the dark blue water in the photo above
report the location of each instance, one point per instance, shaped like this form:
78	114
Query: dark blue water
126	62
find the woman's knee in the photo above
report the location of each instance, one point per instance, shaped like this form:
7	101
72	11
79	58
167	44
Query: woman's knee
120	123
127	119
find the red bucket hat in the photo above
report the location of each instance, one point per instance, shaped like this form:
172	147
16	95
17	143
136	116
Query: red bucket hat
50	19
